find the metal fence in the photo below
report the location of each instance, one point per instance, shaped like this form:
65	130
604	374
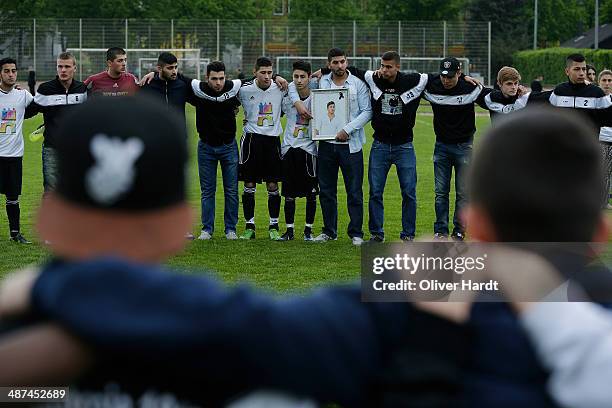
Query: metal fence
35	43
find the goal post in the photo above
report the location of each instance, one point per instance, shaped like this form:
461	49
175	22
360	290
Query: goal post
284	63
93	60
425	65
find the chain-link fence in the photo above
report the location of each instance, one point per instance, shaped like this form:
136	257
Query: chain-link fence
35	43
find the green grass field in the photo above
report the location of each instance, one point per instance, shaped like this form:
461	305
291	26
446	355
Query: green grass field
278	266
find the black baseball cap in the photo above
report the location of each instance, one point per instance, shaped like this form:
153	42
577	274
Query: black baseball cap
449	66
121	153
121	182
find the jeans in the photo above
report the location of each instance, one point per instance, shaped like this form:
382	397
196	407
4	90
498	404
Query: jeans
382	156
208	156
331	158
445	157
49	168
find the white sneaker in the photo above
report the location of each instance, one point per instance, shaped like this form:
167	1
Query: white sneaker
231	235
205	236
323	238
357	241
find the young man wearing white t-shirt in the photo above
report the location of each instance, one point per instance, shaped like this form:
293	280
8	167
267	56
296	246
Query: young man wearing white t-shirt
299	163
13	104
260	156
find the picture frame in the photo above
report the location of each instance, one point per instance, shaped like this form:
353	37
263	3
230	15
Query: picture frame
330	112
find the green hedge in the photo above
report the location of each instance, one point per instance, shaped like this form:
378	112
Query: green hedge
550	63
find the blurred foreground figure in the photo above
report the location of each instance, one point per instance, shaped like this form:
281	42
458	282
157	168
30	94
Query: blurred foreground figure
119	207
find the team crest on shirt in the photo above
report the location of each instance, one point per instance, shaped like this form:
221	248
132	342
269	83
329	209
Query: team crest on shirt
8	121
265	117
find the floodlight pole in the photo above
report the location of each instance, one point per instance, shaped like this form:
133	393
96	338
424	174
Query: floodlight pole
535	26
596	24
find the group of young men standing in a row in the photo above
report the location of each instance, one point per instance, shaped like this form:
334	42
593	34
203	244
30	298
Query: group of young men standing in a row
388	97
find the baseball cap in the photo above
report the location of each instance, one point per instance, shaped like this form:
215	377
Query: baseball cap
120	183
449	66
124	153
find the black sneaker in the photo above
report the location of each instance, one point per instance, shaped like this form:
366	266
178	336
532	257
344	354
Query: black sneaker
438	236
406	238
287	236
458	236
376	239
20	239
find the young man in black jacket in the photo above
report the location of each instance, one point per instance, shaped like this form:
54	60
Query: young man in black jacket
509	98
165	87
54	99
395	100
590	101
216	108
452	99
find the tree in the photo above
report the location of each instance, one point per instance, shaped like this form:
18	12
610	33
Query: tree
421	10
332	10
509	27
162	9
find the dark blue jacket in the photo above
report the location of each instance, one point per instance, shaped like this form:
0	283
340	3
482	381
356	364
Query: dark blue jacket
190	333
503	369
174	94
208	342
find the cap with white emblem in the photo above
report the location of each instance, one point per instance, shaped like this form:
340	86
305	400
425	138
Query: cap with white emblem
449	66
121	182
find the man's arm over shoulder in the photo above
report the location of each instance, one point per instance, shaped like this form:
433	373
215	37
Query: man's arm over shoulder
365	108
31	108
336	340
539	97
481	97
605	110
358	72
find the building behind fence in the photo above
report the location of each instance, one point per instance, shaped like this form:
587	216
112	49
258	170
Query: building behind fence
35	43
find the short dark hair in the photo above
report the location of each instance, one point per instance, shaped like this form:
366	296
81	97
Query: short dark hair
331	103
262	62
391	56
574	58
67	56
8	60
166	58
537	175
216	66
303	66
335	52
113	52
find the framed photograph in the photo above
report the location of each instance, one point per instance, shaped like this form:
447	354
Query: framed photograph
330	112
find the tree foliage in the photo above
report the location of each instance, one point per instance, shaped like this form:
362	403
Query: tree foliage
160	9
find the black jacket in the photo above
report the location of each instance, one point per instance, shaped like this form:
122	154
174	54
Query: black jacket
499	105
453	109
590	101
394	105
174	94
216	112
53	100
